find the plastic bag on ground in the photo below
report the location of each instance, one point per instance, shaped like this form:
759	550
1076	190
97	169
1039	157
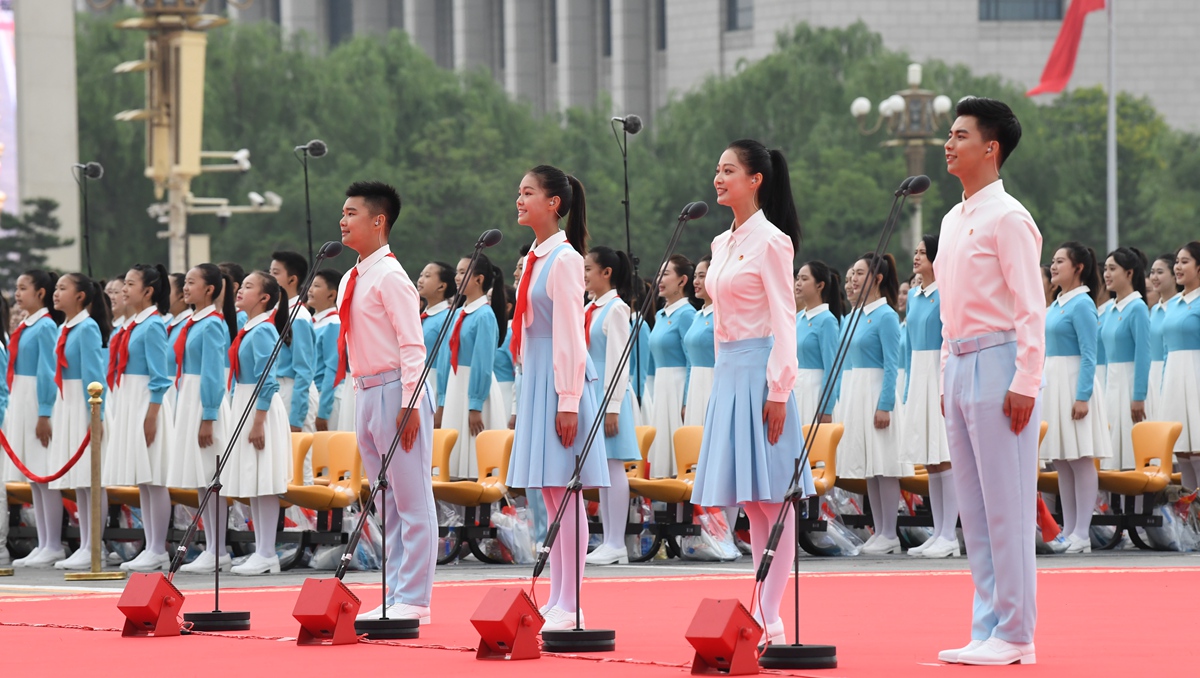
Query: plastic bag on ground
515	530
715	541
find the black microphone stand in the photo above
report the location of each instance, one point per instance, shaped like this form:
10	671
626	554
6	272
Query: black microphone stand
237	621
307	205
623	144
797	655
597	640
82	179
384	628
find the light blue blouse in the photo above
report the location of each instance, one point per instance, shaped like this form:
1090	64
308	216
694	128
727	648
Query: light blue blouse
1181	327
299	362
1158	314
253	353
1125	336
85	356
205	352
35	358
1072	330
148	355
699	343
666	339
817	344
477	340
923	330
326	335
876	345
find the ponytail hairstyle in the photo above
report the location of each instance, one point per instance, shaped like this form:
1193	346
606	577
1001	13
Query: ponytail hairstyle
572	202
1168	258
94	300
774	196
234	270
493	286
221	282
277	299
156	278
642	288
446	275
621	277
684	267
1132	259
889	286
1082	255
510	295
832	291
5	318
46	281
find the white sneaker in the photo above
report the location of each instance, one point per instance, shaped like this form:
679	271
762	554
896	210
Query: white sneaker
5	556
882	546
21	562
774	633
545	610
918	550
370	616
951	656
870	540
206	562
151	563
406	611
45	558
608	555
257	564
136	562
1078	544
80	560
996	652
943	548
558	619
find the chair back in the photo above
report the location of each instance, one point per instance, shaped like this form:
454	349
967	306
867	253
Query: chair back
1155	441
824	447
1042	432
687	451
443	445
343	461
320	453
645	438
301	444
492	451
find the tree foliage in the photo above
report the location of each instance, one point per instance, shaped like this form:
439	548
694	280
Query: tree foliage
456	146
26	238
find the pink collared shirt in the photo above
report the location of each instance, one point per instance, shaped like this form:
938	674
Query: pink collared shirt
385	321
565	288
750	282
989	275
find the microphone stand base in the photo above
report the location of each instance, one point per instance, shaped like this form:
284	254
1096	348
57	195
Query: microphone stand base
800	657
218	621
574	641
388	629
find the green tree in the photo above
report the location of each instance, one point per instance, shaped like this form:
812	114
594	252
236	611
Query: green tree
26	238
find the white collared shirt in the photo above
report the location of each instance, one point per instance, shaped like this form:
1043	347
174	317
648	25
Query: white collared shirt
616	331
929	289
1129	298
810	313
323	318
79	317
1067	296
670	309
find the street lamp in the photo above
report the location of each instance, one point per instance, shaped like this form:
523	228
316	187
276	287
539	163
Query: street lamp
912	116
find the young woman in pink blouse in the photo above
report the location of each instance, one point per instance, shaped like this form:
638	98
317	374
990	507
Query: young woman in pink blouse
752	435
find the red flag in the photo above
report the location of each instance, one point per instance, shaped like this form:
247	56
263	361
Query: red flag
1061	63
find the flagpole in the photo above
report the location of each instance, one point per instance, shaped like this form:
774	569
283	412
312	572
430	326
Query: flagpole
1112	127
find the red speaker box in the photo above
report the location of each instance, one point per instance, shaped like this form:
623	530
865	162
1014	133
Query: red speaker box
151	606
726	637
326	610
508	624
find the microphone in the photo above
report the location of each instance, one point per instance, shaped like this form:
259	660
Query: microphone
631	123
489	238
918	184
330	250
694	210
903	187
315	148
92	170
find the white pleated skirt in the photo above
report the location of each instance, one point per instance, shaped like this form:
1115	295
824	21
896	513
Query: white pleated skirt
700	388
646	403
253	472
865	451
1154	391
127	460
457	416
70	422
20	427
192	466
342	418
666	415
924	428
286	386
1118	399
1066	438
506	398
1102	376
1181	397
808	393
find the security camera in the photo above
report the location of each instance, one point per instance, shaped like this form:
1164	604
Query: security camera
256	199
273	199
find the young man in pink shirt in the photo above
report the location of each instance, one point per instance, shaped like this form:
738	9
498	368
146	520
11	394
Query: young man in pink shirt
381	333
993	315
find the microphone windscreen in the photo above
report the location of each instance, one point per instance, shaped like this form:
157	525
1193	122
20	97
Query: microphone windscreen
697	210
331	249
684	212
93	170
633	124
491	237
317	148
919	185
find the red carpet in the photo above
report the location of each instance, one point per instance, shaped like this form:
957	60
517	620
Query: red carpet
1093	622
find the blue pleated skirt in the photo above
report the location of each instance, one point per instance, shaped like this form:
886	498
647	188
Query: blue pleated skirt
624	445
737	464
538	456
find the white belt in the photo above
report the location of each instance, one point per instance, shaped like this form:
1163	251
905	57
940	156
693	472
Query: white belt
976	344
374	380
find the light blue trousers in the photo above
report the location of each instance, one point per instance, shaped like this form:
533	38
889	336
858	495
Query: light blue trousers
995	472
412	527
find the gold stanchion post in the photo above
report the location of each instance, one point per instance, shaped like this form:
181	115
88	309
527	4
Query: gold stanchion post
97	520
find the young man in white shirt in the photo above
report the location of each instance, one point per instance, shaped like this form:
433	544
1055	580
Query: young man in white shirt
381	331
993	315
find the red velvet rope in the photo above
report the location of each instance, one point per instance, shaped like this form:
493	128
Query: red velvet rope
87	439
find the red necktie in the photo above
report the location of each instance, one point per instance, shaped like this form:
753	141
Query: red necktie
522	303
587	323
14	342
123	351
61	352
180	344
424	315
454	340
344	328
233	357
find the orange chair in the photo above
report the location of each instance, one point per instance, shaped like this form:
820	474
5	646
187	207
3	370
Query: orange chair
1153	449
635	468
676	521
335	454
822	456
493	448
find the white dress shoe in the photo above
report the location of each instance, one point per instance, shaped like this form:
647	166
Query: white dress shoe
406	611
377	613
918	550
1078	544
151	563
80	560
137	561
943	548
774	633
558	619
608	555
206	562
870	540
951	656
257	564
882	546
20	562
45	558
996	652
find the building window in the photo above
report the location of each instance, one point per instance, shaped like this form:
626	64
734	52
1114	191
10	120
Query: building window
553	18
606	27
444	22
660	20
1020	10
341	21
739	15
500	32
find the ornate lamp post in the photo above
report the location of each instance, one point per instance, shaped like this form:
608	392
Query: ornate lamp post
912	116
